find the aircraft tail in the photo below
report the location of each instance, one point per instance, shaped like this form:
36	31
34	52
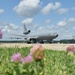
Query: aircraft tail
26	31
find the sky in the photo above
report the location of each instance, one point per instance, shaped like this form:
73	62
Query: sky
54	16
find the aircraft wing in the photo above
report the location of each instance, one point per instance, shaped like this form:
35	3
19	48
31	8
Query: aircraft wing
19	35
25	36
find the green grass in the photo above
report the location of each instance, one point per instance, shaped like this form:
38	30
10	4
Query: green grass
55	62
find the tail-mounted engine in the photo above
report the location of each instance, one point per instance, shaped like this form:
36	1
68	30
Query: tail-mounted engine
26	32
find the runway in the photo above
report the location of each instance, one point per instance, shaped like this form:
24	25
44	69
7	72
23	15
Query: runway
46	46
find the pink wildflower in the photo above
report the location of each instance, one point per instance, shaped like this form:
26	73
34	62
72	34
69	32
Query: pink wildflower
27	59
0	34
70	48
16	57
37	51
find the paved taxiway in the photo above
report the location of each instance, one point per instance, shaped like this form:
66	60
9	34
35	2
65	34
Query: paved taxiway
46	46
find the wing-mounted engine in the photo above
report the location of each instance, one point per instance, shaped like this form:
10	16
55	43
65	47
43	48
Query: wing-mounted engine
26	32
31	39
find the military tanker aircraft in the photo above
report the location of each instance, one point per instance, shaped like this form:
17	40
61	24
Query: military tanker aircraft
37	37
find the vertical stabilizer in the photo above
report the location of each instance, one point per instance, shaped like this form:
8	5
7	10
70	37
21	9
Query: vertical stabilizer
25	29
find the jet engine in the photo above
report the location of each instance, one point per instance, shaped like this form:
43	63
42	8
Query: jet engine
26	32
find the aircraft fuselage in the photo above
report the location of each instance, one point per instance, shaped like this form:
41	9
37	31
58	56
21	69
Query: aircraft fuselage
41	37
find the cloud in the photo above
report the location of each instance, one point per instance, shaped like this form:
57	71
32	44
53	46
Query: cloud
73	8
28	21
8	27
13	26
62	10
48	21
66	27
46	29
66	22
64	32
71	19
40	28
66	36
62	23
74	28
1	11
28	8
47	9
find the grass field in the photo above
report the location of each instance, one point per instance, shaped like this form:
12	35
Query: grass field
55	62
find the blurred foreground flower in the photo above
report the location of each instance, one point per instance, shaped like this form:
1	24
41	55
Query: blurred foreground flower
37	51
71	48
16	57
33	59
27	59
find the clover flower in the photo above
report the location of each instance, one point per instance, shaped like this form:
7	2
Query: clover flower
16	57
27	59
37	51
70	48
